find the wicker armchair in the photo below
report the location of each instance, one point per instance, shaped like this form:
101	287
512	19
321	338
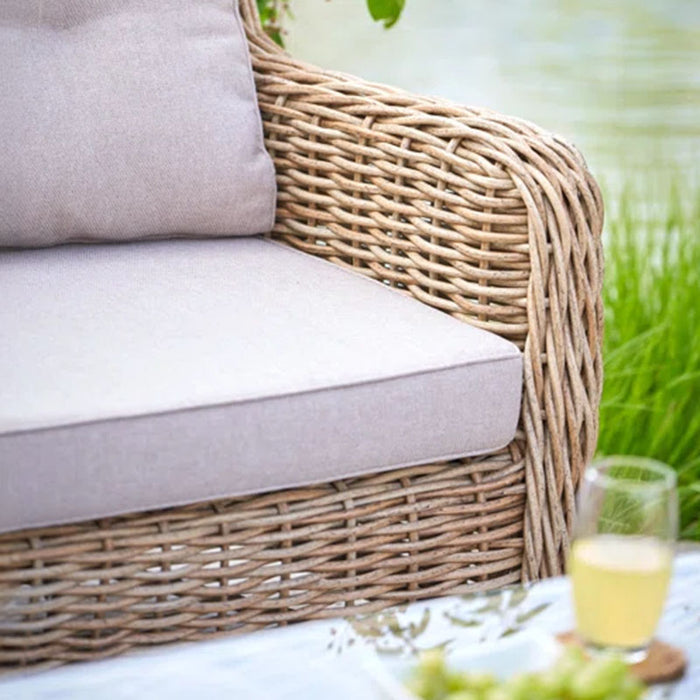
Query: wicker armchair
482	216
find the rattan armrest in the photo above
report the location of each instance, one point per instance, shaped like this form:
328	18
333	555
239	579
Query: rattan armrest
483	216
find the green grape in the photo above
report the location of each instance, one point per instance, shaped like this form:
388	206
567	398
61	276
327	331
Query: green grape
479	681
499	693
524	686
571	659
598	679
554	682
572	677
455	682
420	687
631	688
464	695
432	662
429	679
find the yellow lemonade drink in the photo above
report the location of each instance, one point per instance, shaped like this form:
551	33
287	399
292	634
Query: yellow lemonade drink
619	586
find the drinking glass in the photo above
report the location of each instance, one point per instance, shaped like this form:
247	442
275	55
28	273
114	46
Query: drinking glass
620	559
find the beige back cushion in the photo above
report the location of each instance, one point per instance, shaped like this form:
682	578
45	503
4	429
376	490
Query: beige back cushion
128	119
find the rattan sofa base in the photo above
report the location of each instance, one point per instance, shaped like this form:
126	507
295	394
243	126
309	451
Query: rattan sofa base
99	588
482	216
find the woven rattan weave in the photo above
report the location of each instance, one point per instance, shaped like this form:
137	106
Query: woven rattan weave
485	217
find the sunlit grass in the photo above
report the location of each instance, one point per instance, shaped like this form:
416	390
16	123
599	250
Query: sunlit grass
651	395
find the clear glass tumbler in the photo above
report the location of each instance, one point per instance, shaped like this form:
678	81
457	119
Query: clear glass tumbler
620	559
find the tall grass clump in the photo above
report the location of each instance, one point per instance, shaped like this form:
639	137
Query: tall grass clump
651	391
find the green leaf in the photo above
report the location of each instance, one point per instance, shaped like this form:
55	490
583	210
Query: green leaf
264	10
415	630
387	11
270	17
460	622
277	38
366	628
533	612
518	596
494	602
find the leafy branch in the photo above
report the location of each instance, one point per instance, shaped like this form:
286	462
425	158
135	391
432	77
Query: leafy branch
274	12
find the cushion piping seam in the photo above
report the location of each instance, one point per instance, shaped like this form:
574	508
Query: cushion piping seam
258	399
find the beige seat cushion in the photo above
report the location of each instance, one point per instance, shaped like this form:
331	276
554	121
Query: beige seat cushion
142	375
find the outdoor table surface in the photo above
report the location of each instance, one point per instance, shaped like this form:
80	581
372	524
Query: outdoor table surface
323	659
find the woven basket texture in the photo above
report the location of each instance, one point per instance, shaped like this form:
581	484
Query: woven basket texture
485	217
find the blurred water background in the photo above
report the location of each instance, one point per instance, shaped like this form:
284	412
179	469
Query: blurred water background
620	79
